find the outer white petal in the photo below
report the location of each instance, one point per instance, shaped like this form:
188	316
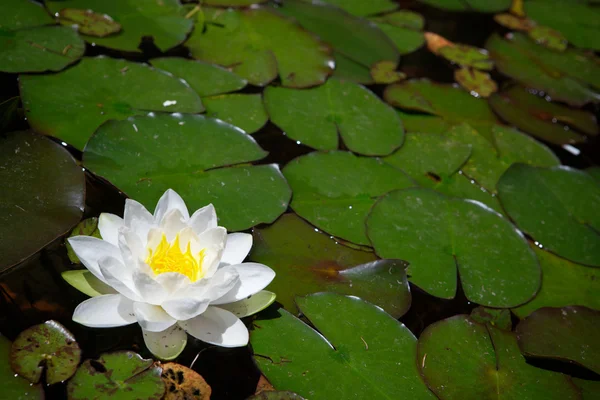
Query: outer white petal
106	311
254	277
118	277
149	289
152	318
170	201
219	327
237	248
138	219
203	219
172	223
132	248
213	240
90	249
185	307
109	225
167	344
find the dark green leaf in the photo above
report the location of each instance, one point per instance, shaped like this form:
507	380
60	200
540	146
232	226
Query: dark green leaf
361	8
246	111
403	28
489	6
22	14
590	390
499	318
349	70
15	387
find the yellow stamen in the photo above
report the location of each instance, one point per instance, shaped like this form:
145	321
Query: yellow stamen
169	258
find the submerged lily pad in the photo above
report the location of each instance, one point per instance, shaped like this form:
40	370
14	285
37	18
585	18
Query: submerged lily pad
362	8
335	191
120	89
15	387
184	383
122	375
460	358
360	353
89	22
559	207
258	45
475	81
488	6
144	156
316	117
545	120
571	76
43	189
307	261
246	111
161	20
438	235
403	28
569	333
47	347
467	56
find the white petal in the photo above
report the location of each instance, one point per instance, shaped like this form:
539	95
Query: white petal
222	282
203	219
106	311
183	308
219	327
213	240
90	249
152	318
168	344
132	248
149	289
118	277
173	282
108	225
170	201
136	216
237	248
254	277
172	223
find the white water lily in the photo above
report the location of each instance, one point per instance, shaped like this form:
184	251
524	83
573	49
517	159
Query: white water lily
170	273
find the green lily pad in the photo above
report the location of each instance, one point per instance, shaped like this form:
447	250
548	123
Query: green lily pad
402	19
144	156
246	111
361	8
578	21
122	375
43	188
590	390
335	191
21	14
422	123
361	352
448	102
121	89
316	116
438	235
571	76
15	387
258	45
161	20
467	56
487	6
568	333
476	82
232	3
547	121
252	305
206	79
499	318
276	395
460	358
594	171
89	22
87	227
48	347
349	70
559	207
403	28
84	281
548	37
514	22
354	37
307	261
184	383
564	283
384	72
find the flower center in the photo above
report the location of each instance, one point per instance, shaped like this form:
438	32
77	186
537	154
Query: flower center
169	258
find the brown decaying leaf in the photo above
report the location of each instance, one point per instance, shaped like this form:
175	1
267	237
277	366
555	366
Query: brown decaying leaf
263	385
183	383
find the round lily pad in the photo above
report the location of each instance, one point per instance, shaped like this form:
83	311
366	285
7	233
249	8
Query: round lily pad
15	387
403	28
558	207
438	235
43	195
467	56
316	116
246	111
20	14
163	21
476	82
184	383
145	156
49	348
488	6
335	191
122	375
349	70
307	261
120	90
363	8
89	22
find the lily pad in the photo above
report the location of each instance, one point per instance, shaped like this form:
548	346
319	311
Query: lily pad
374	359
252	305
335	191
276	395
354	37
121	89
487	6
558	207
349	70
423	123
144	156
594	171
460	358
362	8
467	56
43	188
206	79
545	120
590	390
438	235
448	102
384	72
232	3
571	76
577	20
15	387
161	20
514	22
184	383
476	82
246	111
47	347
21	14
316	116
84	281
499	318
307	261
548	37
122	375
403	19
568	333
403	28
87	227
258	45
89	22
